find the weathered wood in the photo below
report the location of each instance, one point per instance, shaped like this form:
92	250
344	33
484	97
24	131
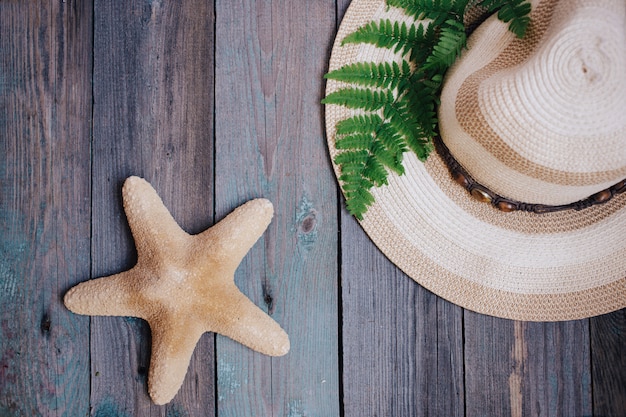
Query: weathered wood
608	359
270	58
45	131
153	117
402	350
490	366
402	345
555	368
520	368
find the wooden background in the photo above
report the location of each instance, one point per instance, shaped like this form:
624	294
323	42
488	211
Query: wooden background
216	103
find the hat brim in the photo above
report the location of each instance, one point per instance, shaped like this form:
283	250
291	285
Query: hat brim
523	266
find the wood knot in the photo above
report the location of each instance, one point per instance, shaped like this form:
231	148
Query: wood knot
308	223
45	325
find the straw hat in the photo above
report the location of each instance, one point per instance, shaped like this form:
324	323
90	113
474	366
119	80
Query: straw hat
531	123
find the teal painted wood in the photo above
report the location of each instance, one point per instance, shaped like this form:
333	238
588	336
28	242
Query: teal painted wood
608	359
402	345
45	109
153	117
270	59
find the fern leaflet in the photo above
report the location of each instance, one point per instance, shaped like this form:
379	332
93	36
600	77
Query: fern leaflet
369	74
514	11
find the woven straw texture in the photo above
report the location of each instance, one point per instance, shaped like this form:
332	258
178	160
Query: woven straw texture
540	119
523	266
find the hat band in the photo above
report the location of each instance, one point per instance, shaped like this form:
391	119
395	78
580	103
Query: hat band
484	194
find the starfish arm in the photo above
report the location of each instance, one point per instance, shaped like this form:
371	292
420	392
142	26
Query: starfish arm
106	296
231	238
173	345
155	231
244	322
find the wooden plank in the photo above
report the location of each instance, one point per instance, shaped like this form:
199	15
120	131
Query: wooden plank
153	117
555	367
519	368
490	366
45	131
608	359
270	58
402	345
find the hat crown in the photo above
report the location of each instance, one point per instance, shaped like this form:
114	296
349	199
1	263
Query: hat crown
542	119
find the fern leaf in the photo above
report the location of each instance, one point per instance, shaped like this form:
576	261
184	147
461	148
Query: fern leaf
385	34
356	141
515	11
370	74
360	98
387	157
404	122
375	172
352	157
359	200
425	39
367	123
356	188
438	11
391	139
451	41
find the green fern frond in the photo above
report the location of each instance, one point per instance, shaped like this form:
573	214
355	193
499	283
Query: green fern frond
427	36
392	140
359	200
387	157
404	123
375	172
370	74
355	141
363	123
399	101
438	11
352	157
360	98
448	48
515	11
386	34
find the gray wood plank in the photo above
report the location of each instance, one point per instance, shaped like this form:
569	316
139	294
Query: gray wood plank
45	131
270	58
555	368
402	345
490	366
520	368
153	117
608	359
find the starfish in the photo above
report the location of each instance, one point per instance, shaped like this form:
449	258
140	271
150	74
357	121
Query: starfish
183	286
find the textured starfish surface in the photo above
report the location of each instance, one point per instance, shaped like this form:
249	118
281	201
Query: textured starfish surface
183	286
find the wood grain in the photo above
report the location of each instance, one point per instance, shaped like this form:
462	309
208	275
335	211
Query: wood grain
493	364
270	58
521	368
608	360
556	368
153	117
92	93
403	347
45	130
